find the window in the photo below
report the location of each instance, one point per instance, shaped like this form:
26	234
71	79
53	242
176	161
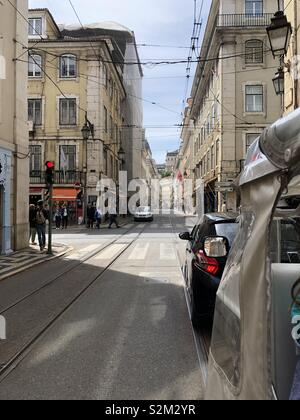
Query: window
35	111
250	138
105	120
35	65
218	153
105	162
35	26
67	111
213	157
67	66
35	158
111	127
254	7
254	52
67	158
254	98
105	77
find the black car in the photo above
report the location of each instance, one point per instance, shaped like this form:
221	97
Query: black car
206	256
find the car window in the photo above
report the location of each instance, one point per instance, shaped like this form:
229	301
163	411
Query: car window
228	230
285	241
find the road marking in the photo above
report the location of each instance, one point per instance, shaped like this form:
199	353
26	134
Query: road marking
111	252
167	252
89	248
140	251
141	226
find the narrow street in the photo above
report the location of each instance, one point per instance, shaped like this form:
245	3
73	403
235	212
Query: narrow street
107	321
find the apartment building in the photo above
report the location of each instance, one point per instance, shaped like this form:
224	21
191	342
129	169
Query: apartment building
233	97
14	156
77	75
292	80
171	160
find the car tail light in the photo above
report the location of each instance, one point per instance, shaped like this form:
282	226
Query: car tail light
210	265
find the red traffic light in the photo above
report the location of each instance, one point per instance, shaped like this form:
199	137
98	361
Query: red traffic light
50	165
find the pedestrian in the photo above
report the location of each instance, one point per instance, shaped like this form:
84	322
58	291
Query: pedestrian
32	224
98	218
91	211
65	217
41	216
58	218
113	220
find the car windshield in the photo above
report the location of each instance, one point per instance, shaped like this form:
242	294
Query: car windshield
228	230
143	210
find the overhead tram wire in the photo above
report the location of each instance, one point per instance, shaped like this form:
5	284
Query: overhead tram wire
193	50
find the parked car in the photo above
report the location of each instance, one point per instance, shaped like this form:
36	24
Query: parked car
206	255
143	214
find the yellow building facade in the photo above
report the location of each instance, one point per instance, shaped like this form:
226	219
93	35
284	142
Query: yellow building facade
292	80
14	156
71	77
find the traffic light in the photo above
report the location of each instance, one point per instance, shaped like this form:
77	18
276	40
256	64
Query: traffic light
49	173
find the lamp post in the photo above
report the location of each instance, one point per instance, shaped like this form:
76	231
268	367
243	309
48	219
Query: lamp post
86	131
279	33
278	82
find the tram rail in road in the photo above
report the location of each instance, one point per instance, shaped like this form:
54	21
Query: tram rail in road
16	359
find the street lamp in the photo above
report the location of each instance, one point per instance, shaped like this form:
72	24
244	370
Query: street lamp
278	82
279	33
86	131
121	154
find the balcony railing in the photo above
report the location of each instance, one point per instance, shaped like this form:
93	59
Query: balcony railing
242	20
60	177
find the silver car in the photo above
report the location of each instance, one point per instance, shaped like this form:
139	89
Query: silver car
143	214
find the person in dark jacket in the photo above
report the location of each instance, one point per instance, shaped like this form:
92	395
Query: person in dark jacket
113	220
32	224
91	212
41	216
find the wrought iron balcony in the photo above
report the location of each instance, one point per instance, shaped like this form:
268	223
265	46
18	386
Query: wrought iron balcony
244	20
60	177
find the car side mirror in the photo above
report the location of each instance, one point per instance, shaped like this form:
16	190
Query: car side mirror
216	247
185	236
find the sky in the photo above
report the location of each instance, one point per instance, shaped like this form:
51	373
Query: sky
168	23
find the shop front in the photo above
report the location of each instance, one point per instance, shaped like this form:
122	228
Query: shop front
68	197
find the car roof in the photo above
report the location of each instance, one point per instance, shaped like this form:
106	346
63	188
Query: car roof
220	217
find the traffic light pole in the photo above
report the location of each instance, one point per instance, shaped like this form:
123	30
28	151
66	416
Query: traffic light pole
50	219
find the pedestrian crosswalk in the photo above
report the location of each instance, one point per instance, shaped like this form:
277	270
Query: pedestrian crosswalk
111	252
141	251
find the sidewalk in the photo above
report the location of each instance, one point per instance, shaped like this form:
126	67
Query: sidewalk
27	258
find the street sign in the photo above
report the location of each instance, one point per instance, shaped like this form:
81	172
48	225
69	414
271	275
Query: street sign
223	184
224	189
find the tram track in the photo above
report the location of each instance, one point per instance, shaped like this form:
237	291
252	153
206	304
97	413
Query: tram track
17	358
73	266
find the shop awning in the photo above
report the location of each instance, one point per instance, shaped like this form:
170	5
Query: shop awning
64	194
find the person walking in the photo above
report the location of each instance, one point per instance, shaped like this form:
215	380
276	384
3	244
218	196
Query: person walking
91	216
113	220
58	218
32	224
41	216
98	218
65	217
